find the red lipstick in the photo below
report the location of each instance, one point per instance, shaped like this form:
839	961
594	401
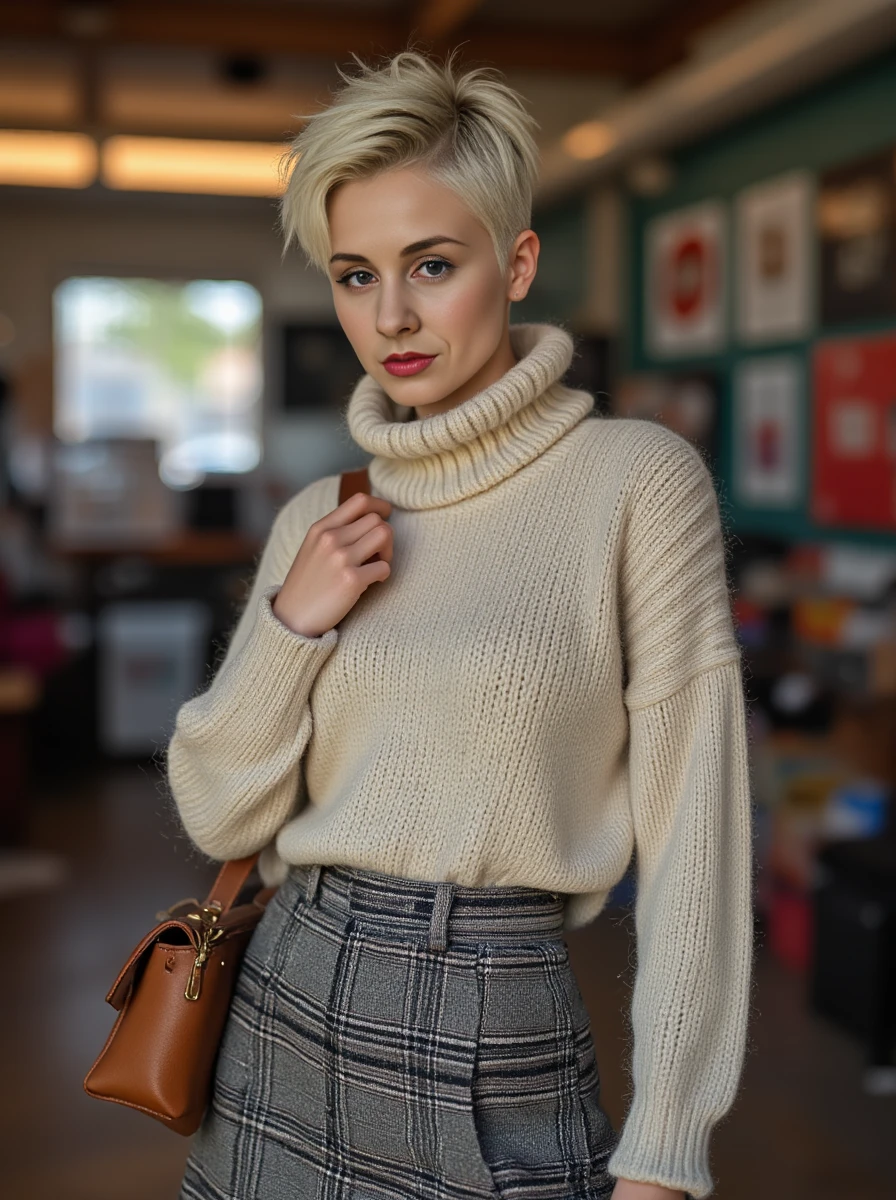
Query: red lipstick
410	363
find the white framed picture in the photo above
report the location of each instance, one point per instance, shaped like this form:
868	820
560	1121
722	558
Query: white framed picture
684	286
768	431
773	297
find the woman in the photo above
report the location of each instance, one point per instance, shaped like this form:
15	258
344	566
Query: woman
535	672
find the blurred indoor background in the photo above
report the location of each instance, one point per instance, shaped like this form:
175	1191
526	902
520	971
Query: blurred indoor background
718	221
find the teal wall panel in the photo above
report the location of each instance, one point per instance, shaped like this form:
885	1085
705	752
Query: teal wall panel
559	288
841	120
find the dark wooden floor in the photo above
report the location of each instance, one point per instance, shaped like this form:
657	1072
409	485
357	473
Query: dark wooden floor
802	1129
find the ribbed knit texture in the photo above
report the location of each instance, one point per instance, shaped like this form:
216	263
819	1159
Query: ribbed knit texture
548	679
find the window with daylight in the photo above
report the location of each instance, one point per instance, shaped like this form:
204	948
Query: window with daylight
179	362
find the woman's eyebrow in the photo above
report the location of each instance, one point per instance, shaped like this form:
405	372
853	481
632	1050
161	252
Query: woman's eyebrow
414	248
428	243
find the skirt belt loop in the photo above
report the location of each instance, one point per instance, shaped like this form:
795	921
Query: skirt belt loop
438	925
311	885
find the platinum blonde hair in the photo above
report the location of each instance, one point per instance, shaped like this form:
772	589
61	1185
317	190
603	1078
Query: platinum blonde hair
468	129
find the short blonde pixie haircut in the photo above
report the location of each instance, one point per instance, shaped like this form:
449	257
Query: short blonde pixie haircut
468	129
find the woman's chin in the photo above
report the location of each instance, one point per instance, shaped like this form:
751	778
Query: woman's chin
429	396
412	394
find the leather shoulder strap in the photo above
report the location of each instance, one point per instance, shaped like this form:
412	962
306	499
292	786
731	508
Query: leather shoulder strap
230	881
353	481
233	874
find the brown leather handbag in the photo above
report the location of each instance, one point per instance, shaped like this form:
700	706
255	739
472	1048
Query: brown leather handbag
174	991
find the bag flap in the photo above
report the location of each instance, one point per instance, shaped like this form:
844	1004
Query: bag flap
234	920
117	994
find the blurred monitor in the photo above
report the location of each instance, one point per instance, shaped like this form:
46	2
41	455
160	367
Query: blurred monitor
108	492
320	368
211	508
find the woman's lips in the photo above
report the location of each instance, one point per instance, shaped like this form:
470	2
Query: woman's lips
408	366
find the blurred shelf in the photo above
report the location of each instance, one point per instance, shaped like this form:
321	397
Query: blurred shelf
188	547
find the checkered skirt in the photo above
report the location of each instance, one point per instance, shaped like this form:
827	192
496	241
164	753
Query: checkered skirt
394	1038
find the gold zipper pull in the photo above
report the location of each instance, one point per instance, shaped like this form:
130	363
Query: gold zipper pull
208	935
194	983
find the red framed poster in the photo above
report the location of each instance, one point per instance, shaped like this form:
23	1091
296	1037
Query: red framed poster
684	285
854	433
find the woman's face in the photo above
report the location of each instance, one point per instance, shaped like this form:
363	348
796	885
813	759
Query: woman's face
413	272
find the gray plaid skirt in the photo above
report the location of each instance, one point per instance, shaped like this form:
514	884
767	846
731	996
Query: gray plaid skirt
393	1038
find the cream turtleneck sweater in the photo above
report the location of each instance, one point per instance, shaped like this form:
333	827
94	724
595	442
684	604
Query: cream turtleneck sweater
548	679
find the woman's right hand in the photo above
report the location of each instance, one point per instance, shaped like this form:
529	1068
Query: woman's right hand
342	554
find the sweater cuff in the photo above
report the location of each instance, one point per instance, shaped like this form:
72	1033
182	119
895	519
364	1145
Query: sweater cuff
652	1149
276	661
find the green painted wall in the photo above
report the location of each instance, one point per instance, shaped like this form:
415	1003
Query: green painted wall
847	117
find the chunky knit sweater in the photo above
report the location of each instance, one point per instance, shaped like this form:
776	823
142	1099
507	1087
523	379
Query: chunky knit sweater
548	680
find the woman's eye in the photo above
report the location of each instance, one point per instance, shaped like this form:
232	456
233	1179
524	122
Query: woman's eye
442	267
347	279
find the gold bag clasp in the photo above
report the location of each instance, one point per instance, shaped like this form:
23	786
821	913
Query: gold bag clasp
209	933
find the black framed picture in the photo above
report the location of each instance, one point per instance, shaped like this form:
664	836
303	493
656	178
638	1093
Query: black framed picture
320	368
857	230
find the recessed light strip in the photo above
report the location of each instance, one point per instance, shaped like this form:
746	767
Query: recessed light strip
149	164
40	158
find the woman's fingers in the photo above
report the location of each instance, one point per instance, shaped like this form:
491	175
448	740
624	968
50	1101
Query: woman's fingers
342	554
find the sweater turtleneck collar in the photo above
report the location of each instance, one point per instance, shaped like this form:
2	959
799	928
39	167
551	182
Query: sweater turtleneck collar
437	460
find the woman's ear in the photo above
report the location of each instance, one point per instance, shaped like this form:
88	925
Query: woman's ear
523	264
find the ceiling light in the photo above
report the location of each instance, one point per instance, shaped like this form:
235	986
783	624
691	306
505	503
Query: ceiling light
591	139
38	158
221	168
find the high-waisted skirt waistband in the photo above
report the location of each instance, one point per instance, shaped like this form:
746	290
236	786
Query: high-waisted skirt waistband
437	913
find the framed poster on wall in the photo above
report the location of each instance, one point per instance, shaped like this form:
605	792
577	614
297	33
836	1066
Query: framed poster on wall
856	215
768	431
774	229
854	433
684	285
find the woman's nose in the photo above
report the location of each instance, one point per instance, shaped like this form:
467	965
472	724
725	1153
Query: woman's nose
395	314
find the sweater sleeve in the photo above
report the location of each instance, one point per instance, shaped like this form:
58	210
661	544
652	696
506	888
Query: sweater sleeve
691	812
234	757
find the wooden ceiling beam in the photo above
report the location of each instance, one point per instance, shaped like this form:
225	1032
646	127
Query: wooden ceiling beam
669	40
252	29
314	32
552	48
258	29
437	20
318	32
